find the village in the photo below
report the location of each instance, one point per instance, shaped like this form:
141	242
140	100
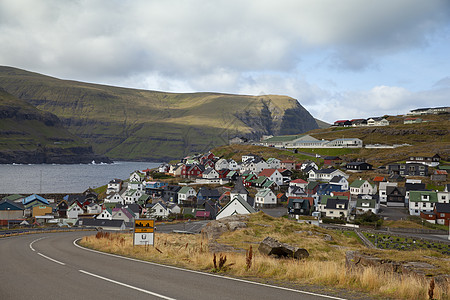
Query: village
206	187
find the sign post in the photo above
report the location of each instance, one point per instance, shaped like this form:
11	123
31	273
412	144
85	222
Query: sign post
143	232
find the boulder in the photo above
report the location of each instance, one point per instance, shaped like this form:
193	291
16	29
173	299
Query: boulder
270	246
216	228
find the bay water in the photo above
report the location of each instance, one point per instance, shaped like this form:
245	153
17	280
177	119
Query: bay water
47	178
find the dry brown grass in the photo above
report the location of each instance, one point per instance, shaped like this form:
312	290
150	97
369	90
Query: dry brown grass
325	265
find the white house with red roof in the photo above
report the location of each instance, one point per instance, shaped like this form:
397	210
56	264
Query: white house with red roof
272	174
299	182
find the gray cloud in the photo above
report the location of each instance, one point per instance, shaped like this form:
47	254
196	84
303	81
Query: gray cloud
231	46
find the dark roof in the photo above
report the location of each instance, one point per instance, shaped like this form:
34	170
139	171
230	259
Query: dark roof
391	189
358	163
332	203
100	222
239	187
414	186
443	208
336	179
8	204
332	158
326	171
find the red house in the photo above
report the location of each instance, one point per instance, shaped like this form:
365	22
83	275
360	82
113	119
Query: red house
332	160
191	171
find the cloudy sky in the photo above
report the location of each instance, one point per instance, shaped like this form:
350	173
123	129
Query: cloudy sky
339	58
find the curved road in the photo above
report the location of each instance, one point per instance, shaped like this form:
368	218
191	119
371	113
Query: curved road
51	266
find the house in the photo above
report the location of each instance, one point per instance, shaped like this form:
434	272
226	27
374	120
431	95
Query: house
358	166
61	208
184	193
345	143
439	175
298	182
210	173
442	213
132	196
247	179
325	174
114	198
337	208
287	164
287	174
106	214
170	193
323	200
256	166
74	210
299	206
122	213
431	160
328	189
395	196
342	123
341	181
104	224
379	179
233	165
205	194
422	201
295	191
265	198
412	121
249	157
239	190
238	140
410	169
377	121
158	210
382	190
308	164
236	206
192	170
222	164
332	161
272	174
137	176
93	208
14	198
366	205
312	188
10	210
273	163
358	122
114	186
362	187
413	186
163	168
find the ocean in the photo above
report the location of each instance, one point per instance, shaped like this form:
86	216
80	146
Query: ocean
47	179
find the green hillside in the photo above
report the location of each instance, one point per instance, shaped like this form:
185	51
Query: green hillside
29	135
133	124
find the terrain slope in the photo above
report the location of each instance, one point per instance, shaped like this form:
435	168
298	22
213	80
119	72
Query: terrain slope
132	124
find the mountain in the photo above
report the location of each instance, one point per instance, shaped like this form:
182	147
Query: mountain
31	136
133	124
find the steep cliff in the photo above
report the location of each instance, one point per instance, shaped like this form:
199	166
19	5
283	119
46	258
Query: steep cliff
133	124
31	136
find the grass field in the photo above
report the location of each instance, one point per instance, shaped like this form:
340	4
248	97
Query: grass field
324	266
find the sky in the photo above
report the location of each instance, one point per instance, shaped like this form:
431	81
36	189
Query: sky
341	59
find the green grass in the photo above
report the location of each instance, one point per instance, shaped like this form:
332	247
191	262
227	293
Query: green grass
137	124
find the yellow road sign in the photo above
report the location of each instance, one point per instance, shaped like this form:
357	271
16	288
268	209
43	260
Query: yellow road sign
142	225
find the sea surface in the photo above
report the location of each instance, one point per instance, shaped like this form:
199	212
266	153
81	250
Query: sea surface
45	178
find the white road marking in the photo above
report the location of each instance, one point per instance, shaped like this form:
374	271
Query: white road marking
31	244
53	260
208	274
127	285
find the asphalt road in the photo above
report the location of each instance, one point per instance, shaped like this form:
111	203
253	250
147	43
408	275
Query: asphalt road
51	266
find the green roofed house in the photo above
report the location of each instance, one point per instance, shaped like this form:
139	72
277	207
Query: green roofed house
14	198
324	199
362	187
365	205
265	198
237	206
422	201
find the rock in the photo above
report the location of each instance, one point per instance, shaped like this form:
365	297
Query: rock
270	246
355	260
216	228
328	238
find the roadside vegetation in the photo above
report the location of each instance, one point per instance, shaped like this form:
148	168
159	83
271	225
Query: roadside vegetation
325	266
